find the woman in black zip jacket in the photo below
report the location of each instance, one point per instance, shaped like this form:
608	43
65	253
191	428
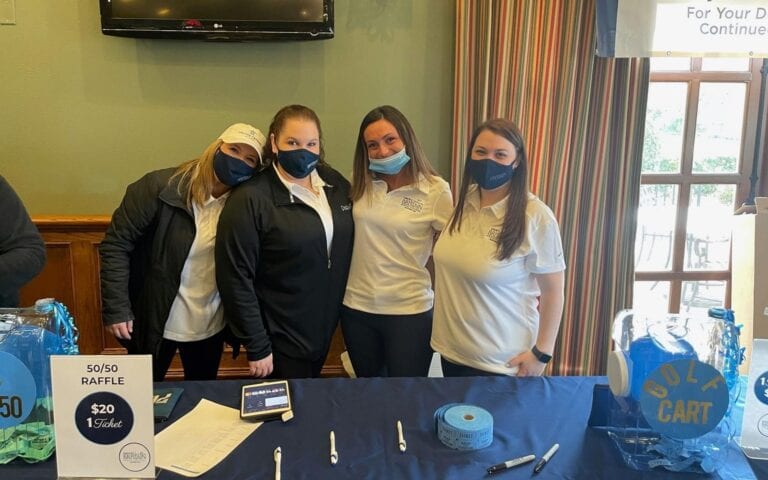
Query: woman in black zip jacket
283	251
158	283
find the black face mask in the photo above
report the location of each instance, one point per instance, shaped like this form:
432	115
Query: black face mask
297	163
229	170
490	174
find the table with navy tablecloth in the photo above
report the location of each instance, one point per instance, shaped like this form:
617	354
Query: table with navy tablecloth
529	414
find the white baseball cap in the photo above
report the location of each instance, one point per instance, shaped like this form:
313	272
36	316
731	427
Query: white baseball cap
244	133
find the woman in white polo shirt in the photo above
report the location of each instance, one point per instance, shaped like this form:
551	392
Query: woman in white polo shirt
400	205
498	266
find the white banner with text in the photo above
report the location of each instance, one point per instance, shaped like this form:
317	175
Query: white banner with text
692	28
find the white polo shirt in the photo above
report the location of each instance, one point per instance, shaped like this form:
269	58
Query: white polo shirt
196	312
317	201
394	234
485	309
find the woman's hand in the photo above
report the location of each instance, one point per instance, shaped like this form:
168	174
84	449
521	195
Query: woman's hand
261	368
121	331
527	364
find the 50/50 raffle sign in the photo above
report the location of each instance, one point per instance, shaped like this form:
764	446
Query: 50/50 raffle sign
103	406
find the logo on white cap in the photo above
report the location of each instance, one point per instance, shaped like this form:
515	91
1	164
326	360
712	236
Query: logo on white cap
244	133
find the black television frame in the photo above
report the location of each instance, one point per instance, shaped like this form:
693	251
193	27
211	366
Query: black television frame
217	30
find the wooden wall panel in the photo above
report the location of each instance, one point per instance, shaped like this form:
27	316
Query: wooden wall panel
56	282
71	275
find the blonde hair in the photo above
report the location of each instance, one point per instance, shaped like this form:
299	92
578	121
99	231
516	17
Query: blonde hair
197	177
419	164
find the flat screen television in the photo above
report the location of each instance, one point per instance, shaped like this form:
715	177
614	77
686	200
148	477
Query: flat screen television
219	20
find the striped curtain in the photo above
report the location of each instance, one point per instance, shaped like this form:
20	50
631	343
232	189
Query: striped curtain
582	117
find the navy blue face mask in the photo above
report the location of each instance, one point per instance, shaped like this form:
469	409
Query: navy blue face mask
230	171
297	163
490	174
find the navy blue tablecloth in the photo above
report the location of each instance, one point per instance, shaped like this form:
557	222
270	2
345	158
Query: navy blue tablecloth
530	414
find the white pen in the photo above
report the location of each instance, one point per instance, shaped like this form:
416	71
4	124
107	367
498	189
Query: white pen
334	453
278	459
400	438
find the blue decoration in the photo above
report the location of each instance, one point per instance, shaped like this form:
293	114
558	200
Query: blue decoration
18	392
684	399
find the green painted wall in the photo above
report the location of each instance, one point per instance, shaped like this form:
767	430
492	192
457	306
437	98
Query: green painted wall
83	114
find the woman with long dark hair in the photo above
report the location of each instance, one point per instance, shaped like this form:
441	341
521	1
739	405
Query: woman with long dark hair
498	266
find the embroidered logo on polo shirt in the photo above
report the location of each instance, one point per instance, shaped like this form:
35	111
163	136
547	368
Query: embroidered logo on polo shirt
412	204
493	234
346	208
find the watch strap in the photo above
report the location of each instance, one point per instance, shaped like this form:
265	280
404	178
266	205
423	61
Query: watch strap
541	356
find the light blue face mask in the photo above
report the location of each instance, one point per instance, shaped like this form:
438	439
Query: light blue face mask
389	165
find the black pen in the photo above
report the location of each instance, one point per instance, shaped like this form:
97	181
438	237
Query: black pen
511	463
546	458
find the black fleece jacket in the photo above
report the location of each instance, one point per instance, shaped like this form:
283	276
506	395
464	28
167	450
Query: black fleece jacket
142	256
280	289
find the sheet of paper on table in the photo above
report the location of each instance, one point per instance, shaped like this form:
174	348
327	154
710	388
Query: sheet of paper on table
201	439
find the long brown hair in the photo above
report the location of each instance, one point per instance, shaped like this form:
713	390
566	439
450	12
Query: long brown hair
513	228
197	176
278	122
361	175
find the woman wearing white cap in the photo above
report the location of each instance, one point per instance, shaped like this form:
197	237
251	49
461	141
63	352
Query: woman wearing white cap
158	280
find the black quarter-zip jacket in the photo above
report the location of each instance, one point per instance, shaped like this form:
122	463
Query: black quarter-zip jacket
280	288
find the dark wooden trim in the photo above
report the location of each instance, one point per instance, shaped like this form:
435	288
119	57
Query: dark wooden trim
688	276
84	223
692	179
709	76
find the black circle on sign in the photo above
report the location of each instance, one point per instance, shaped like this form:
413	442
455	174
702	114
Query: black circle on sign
761	388
112	421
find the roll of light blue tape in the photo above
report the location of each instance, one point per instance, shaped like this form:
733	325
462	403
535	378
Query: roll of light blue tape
464	427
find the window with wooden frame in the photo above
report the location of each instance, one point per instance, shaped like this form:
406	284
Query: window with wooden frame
697	157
